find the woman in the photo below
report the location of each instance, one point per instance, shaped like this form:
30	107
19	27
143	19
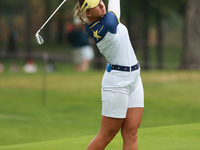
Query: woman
122	89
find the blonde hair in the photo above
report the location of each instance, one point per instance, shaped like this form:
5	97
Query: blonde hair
81	15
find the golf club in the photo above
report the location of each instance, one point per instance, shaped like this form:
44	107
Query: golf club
37	35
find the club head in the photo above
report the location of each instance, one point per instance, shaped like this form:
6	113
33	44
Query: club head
39	38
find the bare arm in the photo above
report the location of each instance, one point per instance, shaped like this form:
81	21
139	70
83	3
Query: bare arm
114	5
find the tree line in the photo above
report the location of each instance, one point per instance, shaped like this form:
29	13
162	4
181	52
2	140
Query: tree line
139	17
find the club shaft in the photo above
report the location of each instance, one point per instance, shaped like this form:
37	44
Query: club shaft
52	15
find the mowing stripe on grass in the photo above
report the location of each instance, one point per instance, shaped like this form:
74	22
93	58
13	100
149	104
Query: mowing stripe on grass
177	137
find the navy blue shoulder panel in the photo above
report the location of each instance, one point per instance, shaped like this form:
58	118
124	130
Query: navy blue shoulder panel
110	21
98	29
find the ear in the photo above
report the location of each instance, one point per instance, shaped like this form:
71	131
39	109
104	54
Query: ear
87	13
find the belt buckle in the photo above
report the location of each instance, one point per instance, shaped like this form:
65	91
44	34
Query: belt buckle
108	67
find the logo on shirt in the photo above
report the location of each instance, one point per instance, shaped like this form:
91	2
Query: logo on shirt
95	34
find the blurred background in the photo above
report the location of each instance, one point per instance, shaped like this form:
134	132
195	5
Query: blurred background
164	34
47	93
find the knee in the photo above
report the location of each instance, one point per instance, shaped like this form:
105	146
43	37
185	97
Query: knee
130	134
107	137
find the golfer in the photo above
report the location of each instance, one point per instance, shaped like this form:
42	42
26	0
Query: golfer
122	89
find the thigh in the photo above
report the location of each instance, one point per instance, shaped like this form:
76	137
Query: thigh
110	126
132	120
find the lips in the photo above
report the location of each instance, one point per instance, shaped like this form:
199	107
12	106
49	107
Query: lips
103	9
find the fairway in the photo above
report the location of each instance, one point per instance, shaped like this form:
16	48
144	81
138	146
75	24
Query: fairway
158	138
69	116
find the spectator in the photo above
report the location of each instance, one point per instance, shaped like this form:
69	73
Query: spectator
82	50
11	47
30	66
1	67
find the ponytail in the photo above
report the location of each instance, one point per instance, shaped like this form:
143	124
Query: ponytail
81	15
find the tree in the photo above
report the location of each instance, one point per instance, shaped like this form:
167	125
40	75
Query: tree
28	27
136	13
146	31
160	34
151	12
61	23
191	54
160	12
47	4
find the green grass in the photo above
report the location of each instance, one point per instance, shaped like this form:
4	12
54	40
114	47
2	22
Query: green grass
71	116
158	138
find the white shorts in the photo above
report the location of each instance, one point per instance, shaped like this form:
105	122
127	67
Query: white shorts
121	90
83	53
